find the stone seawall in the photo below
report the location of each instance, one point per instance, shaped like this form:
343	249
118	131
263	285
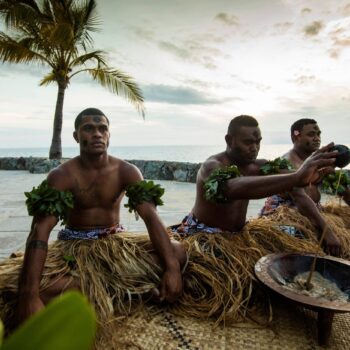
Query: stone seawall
151	169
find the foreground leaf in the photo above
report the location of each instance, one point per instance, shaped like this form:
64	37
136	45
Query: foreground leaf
66	323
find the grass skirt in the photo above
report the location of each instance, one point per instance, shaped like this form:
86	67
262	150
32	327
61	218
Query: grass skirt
116	271
337	216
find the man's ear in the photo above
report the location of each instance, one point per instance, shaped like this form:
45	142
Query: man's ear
75	135
228	139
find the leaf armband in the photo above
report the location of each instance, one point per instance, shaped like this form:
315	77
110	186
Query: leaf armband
214	185
274	166
44	200
336	183
143	191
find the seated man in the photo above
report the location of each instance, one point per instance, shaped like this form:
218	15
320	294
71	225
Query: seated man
91	253
306	138
225	246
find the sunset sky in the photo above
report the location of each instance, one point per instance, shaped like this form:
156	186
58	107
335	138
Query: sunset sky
199	64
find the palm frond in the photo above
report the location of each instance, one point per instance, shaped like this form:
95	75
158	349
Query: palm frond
48	79
98	56
121	84
15	52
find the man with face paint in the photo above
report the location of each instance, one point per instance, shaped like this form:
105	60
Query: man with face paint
98	182
242	147
306	138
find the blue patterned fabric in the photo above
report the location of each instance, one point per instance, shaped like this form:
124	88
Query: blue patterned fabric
191	225
67	234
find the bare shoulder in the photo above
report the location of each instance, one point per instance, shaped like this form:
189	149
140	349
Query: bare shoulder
260	162
293	158
61	177
209	165
129	173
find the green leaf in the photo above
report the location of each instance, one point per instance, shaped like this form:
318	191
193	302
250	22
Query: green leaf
68	323
69	258
274	166
143	191
214	185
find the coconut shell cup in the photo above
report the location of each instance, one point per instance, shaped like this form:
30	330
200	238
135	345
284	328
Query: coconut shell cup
343	157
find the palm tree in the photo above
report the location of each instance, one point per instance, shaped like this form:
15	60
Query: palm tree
56	33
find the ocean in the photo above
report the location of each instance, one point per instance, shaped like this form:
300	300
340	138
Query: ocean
192	154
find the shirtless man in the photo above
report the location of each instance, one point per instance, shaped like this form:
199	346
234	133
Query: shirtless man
243	143
306	138
97	182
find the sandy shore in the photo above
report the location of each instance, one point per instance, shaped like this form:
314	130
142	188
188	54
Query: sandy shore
15	223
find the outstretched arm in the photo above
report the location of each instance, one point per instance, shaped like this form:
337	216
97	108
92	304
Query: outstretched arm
312	170
307	207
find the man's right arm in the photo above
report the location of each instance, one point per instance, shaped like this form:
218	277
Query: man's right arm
33	264
35	254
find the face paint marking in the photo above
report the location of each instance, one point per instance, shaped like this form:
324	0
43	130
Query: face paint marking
96	119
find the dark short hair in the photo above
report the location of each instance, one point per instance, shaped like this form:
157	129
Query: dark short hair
299	124
87	111
241	120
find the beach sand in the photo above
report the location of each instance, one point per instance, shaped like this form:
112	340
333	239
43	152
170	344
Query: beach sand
15	222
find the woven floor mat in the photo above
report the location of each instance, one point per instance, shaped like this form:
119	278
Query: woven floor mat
292	328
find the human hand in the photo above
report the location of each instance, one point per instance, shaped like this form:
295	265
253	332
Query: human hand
315	167
28	307
331	243
170	287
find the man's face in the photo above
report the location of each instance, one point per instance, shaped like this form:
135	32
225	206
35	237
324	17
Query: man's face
245	145
309	138
93	134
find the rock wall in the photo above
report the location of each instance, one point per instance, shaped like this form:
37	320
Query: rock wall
151	169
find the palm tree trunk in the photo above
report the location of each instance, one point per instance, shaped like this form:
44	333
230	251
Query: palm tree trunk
56	143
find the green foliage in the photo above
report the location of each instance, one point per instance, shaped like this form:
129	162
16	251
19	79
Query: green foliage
335	183
68	323
44	200
274	166
214	185
143	191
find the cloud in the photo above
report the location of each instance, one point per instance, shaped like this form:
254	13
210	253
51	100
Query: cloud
304	79
142	33
31	69
313	29
176	95
339	34
193	51
346	10
281	28
230	20
305	10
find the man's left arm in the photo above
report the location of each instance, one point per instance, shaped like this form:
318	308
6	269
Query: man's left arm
307	207
171	284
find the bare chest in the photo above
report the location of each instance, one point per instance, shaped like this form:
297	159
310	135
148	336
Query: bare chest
98	191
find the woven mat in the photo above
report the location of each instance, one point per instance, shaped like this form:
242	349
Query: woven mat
291	328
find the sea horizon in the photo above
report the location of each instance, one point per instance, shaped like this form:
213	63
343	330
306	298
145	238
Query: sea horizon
175	153
178	153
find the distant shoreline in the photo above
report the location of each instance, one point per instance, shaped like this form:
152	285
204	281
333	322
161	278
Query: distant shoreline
151	169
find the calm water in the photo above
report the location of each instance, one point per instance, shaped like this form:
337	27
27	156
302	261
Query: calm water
192	154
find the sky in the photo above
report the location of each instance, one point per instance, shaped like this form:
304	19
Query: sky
199	63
